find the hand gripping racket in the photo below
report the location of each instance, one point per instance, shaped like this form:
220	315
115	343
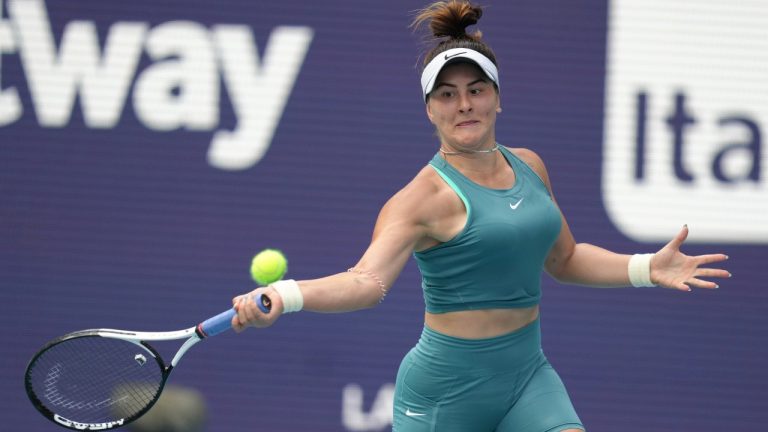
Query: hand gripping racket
102	379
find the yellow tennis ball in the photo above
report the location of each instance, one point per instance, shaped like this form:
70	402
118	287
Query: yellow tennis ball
268	266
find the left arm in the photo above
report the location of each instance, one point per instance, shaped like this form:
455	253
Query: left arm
590	265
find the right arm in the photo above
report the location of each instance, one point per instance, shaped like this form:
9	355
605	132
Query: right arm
402	223
394	237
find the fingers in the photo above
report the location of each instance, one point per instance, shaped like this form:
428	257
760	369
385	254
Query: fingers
711	258
248	313
698	283
244	308
236	325
710	272
694	282
679	238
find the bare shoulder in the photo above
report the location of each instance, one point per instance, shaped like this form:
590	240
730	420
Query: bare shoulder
427	211
416	197
533	160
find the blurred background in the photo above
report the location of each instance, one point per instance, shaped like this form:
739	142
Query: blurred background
149	149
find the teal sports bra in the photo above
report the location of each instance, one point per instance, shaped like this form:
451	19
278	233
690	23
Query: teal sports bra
496	260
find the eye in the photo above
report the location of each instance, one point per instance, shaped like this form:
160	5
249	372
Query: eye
446	94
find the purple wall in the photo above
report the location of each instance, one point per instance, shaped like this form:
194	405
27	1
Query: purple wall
126	223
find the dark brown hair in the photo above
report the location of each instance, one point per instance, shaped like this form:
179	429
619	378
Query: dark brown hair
448	21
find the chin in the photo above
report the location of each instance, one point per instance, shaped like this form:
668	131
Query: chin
469	142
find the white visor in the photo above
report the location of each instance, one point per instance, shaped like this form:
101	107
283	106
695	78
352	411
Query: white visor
429	76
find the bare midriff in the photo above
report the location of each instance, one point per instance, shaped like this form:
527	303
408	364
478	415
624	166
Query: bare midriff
481	324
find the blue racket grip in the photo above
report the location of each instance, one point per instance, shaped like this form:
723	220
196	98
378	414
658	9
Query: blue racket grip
223	321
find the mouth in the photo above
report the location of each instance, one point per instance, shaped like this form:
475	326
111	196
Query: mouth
467	123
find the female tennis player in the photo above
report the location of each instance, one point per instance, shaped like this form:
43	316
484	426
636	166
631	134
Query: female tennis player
482	223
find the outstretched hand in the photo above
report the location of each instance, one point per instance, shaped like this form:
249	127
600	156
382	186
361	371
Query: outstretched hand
671	268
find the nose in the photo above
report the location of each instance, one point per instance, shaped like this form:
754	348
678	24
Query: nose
465	103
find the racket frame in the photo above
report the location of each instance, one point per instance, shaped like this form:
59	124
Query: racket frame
192	334
211	327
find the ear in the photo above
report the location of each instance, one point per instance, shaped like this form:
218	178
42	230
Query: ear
429	113
498	102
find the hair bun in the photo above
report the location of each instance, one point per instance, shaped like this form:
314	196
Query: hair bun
450	19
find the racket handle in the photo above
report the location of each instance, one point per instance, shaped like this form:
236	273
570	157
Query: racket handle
223	321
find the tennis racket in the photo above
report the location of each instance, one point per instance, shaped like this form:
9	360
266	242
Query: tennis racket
102	379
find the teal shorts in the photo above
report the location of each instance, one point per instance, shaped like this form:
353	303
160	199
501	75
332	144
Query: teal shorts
502	384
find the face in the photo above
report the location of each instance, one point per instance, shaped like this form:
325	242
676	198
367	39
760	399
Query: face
463	106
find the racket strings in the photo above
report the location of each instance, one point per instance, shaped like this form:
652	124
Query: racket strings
95	380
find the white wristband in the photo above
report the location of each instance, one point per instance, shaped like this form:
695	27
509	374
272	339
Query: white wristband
639	270
293	299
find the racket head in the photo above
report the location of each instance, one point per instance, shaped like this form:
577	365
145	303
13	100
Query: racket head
88	381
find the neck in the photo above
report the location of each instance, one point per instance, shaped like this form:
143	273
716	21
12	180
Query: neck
479	162
467	152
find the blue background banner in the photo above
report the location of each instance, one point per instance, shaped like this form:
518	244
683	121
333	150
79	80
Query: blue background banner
117	211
